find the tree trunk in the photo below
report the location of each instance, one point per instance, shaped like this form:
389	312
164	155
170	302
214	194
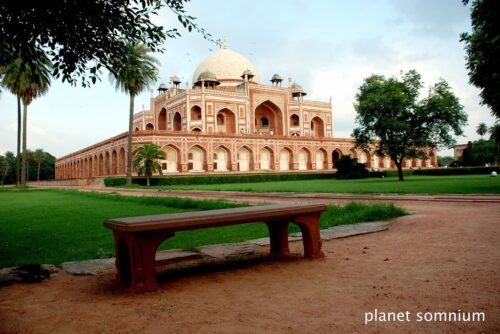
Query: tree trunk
129	140
24	162
38	172
147	181
399	165
18	156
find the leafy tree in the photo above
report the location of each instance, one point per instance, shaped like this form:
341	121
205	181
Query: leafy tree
138	72
495	137
10	172
483	51
445	161
349	168
478	153
146	160
4	168
482	129
28	78
391	118
81	37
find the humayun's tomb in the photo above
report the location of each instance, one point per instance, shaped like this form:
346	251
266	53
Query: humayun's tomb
229	122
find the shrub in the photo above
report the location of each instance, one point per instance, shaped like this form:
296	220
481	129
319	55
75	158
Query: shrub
218	179
349	168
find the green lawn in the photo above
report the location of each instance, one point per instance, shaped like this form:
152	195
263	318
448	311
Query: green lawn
461	184
54	226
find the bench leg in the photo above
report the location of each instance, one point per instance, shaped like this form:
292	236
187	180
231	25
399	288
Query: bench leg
135	259
278	234
309	225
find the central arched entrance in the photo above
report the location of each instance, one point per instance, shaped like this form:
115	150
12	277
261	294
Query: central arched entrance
268	119
162	120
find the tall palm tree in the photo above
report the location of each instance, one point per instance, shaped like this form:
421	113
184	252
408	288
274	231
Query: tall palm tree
39	159
146	160
35	78
139	71
481	130
11	79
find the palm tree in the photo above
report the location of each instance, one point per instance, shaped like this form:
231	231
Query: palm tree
146	160
27	78
39	158
481	130
11	79
139	71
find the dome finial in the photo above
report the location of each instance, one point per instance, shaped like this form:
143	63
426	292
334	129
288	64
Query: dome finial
225	43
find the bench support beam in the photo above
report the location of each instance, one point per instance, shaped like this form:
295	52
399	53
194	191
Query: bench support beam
136	258
278	235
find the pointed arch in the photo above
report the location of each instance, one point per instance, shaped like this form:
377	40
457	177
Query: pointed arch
114	162
317	127
177	122
150	127
294	121
222	159
121	161
245	159
226	121
171	163
266	158
286	159
195	113
101	165
321	159
304	159
268	112
197	159
336	155
162	119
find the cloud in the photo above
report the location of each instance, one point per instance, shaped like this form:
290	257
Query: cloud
439	19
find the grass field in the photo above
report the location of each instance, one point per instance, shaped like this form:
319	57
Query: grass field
54	226
460	184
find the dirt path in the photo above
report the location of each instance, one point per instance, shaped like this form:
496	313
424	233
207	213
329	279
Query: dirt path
444	258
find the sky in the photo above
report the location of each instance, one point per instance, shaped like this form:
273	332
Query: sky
327	46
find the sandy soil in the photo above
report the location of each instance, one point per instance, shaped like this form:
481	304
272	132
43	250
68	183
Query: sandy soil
442	259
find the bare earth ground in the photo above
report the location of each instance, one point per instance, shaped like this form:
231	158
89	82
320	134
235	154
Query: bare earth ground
444	258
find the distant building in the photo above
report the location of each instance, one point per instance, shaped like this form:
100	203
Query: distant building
229	122
458	151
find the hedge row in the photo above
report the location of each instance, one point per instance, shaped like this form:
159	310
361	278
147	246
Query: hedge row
217	179
456	171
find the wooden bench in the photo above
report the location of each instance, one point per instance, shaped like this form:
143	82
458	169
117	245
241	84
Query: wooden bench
137	238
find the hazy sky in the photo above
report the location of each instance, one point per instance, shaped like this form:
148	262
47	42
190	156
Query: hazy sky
328	47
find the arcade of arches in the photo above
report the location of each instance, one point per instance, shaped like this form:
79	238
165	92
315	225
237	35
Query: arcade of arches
246	158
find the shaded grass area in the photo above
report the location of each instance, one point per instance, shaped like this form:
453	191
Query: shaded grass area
457	184
54	226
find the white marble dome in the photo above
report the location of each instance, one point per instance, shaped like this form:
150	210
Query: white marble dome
228	67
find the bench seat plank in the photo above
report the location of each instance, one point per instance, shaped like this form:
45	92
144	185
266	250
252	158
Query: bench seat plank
211	218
